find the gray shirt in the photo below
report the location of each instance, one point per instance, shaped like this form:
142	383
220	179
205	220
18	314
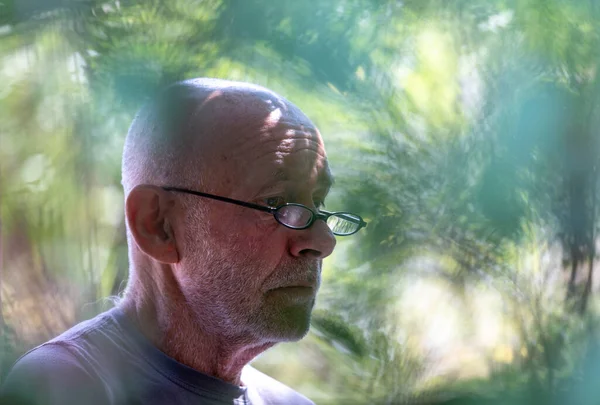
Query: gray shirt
108	361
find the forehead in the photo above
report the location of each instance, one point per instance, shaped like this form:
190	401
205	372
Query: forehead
264	139
285	150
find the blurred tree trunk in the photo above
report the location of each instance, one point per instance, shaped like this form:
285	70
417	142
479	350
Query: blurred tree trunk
581	180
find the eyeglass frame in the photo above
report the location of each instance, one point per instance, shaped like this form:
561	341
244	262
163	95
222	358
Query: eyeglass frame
321	214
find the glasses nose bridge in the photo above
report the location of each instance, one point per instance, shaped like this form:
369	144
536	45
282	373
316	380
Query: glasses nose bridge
315	215
320	215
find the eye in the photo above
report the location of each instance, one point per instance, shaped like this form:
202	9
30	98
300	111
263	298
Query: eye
275	202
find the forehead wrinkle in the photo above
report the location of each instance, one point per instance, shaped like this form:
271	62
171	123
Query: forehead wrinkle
273	134
246	132
267	145
282	154
298	124
297	144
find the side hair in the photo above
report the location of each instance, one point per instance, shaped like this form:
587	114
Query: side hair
156	143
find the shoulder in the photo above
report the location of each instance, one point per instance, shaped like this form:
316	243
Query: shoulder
50	374
266	390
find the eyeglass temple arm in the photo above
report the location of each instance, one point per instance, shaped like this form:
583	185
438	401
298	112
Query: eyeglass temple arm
322	213
224	199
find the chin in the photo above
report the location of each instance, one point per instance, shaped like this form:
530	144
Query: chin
288	324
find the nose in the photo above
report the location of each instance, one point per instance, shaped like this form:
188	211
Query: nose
315	242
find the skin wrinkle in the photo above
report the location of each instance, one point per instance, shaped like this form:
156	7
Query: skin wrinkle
282	145
212	308
322	186
249	142
282	156
281	153
314	140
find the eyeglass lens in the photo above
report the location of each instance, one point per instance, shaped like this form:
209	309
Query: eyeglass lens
294	216
341	225
297	216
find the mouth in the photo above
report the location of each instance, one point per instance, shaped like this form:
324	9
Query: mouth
305	284
296	287
294	292
300	284
301	280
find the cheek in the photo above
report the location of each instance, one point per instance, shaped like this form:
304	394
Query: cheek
244	241
260	249
257	256
265	236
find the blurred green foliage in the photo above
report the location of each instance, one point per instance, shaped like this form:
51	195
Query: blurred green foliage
465	132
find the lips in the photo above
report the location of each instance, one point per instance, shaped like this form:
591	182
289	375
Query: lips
294	293
293	288
304	276
305	284
299	284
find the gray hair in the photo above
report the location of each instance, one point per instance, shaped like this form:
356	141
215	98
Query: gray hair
155	141
160	148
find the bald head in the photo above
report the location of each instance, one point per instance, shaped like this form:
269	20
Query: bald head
228	142
175	133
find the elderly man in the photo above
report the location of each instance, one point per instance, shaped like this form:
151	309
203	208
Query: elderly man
224	185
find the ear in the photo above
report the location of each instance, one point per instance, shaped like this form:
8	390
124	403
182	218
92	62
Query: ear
148	210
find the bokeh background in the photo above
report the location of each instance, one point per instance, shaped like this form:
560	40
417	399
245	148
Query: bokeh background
465	132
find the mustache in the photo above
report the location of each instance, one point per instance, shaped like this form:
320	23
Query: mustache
297	274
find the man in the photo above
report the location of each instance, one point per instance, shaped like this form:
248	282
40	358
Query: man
224	185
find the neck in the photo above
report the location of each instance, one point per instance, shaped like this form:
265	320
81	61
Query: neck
162	314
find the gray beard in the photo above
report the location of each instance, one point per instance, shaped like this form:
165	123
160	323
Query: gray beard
225	303
231	311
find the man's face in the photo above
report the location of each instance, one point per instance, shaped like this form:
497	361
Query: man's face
247	275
